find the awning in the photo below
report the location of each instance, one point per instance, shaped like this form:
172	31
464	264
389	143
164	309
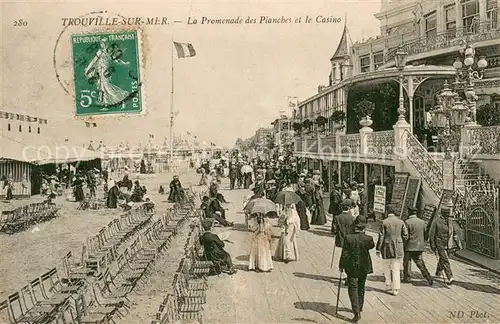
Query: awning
54	153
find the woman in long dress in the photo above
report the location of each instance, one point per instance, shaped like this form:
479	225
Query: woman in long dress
260	253
289	222
112	195
318	214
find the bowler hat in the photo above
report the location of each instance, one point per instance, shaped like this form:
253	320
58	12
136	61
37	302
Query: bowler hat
207	224
347	202
412	210
360	223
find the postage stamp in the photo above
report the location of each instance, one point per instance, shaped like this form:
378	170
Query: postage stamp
107	76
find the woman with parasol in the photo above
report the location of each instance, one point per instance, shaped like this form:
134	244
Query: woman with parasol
289	222
260	253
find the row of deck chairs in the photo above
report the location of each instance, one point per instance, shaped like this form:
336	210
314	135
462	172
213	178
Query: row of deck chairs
103	248
79	296
19	219
189	285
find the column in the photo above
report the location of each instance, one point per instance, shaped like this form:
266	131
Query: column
351	172
410	99
365	181
382	174
482	11
339	172
439	19
458	14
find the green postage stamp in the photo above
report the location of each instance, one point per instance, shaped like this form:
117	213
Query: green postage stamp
107	73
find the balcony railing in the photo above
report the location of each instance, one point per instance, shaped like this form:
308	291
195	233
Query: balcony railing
350	143
381	143
481	31
311	145
328	145
484	140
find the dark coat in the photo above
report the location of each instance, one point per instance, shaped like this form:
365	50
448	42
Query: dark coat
335	201
355	258
439	235
416	229
342	225
391	238
176	194
213	247
215	206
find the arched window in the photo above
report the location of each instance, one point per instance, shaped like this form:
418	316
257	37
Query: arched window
20	128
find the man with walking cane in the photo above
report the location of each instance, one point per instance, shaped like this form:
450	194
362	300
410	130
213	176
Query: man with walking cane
342	225
355	260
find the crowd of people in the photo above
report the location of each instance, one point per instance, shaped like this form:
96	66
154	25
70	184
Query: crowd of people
398	243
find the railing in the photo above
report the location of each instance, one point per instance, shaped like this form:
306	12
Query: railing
381	143
484	140
350	143
486	30
429	169
311	145
328	144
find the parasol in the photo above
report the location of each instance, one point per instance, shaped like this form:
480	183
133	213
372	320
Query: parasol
287	198
246	169
261	206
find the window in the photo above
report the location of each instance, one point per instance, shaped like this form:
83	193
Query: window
20	128
364	63
470	15
431	25
492	13
29	129
378	59
450	20
8	127
38	130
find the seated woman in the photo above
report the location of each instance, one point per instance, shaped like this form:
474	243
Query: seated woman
214	250
214	210
138	192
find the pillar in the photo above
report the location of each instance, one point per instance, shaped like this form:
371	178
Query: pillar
365	181
401	130
339	172
410	99
458	14
482	11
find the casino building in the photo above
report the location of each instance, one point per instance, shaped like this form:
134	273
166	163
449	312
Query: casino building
417	100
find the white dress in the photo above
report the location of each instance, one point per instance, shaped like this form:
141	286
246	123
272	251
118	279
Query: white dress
260	251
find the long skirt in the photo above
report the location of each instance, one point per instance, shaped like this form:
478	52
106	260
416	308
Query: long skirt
287	249
260	254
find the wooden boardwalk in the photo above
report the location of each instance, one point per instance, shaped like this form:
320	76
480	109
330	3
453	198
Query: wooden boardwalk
305	291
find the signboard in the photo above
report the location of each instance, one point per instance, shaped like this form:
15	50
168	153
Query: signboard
399	191
107	73
411	196
448	175
379	199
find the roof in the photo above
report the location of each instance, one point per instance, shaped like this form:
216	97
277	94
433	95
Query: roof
54	153
342	49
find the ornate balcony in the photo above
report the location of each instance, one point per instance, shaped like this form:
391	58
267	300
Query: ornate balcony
478	32
350	143
381	143
484	140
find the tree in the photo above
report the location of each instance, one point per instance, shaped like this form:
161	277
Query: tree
488	115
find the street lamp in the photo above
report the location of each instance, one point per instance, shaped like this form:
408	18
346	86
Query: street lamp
400	59
469	70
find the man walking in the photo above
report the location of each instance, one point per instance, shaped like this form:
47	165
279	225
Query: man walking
233	175
342	224
414	246
445	237
357	263
390	246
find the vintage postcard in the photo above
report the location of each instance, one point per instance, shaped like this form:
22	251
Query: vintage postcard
268	161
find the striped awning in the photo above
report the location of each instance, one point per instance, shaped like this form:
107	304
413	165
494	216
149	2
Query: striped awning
54	153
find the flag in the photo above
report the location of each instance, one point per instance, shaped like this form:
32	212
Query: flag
184	50
291	104
151	136
212	144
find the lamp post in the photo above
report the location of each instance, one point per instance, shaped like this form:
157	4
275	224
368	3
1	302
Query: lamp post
400	59
468	70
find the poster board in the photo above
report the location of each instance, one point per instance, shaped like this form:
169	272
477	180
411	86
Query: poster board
411	195
399	190
379	201
428	212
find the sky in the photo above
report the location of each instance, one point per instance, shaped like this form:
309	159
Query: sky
238	81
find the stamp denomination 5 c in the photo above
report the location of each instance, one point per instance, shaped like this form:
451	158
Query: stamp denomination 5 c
107	73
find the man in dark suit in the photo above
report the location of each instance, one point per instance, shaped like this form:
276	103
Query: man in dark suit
214	249
335	207
390	246
357	264
342	224
414	246
215	210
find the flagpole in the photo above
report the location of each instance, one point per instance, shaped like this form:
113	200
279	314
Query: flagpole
172	111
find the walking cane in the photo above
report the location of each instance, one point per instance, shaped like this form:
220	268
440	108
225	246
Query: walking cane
333	254
338	292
